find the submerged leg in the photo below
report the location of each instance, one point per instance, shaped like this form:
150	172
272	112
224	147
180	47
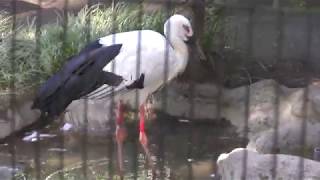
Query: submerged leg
142	134
121	134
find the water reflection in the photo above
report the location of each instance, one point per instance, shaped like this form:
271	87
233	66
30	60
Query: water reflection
182	150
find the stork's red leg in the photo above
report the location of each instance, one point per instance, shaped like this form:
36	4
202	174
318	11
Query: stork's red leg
142	134
121	134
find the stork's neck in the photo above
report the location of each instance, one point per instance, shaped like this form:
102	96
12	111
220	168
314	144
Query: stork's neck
181	51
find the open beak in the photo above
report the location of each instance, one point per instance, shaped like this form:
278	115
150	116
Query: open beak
195	46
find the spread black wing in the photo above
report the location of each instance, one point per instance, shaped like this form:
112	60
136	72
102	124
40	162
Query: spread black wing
80	75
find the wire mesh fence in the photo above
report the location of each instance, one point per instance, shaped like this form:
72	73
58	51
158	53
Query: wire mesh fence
244	43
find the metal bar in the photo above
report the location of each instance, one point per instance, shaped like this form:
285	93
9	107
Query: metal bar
303	132
61	153
164	105
12	89
247	92
189	159
220	78
85	113
138	54
309	29
37	157
161	156
110	150
62	118
38	53
166	64
111	123
138	69
198	7
135	164
278	55
114	30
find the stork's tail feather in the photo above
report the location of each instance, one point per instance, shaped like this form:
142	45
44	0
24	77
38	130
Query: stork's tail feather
41	122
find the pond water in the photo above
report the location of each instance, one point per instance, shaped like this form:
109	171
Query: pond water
181	150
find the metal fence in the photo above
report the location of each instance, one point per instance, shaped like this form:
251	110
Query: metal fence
161	157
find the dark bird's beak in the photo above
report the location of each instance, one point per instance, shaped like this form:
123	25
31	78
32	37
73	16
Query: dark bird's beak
193	43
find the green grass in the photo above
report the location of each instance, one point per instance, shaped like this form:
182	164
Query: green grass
33	64
213	28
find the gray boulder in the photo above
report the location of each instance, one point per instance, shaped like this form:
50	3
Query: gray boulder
261	166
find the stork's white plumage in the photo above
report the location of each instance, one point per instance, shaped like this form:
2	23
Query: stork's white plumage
146	61
149	53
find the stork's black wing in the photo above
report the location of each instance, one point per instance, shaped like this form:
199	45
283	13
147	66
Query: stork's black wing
79	76
72	65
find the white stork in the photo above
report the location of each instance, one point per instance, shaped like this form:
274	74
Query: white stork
119	64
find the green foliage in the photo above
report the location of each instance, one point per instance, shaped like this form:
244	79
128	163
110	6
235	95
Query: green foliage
213	23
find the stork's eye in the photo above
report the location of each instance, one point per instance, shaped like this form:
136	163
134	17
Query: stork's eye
186	28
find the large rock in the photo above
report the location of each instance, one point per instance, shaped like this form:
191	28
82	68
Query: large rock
274	106
260	166
92	115
184	101
262	101
260	106
16	117
269	103
289	138
271	106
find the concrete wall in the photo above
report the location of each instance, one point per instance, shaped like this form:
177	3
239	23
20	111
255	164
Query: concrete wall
274	35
